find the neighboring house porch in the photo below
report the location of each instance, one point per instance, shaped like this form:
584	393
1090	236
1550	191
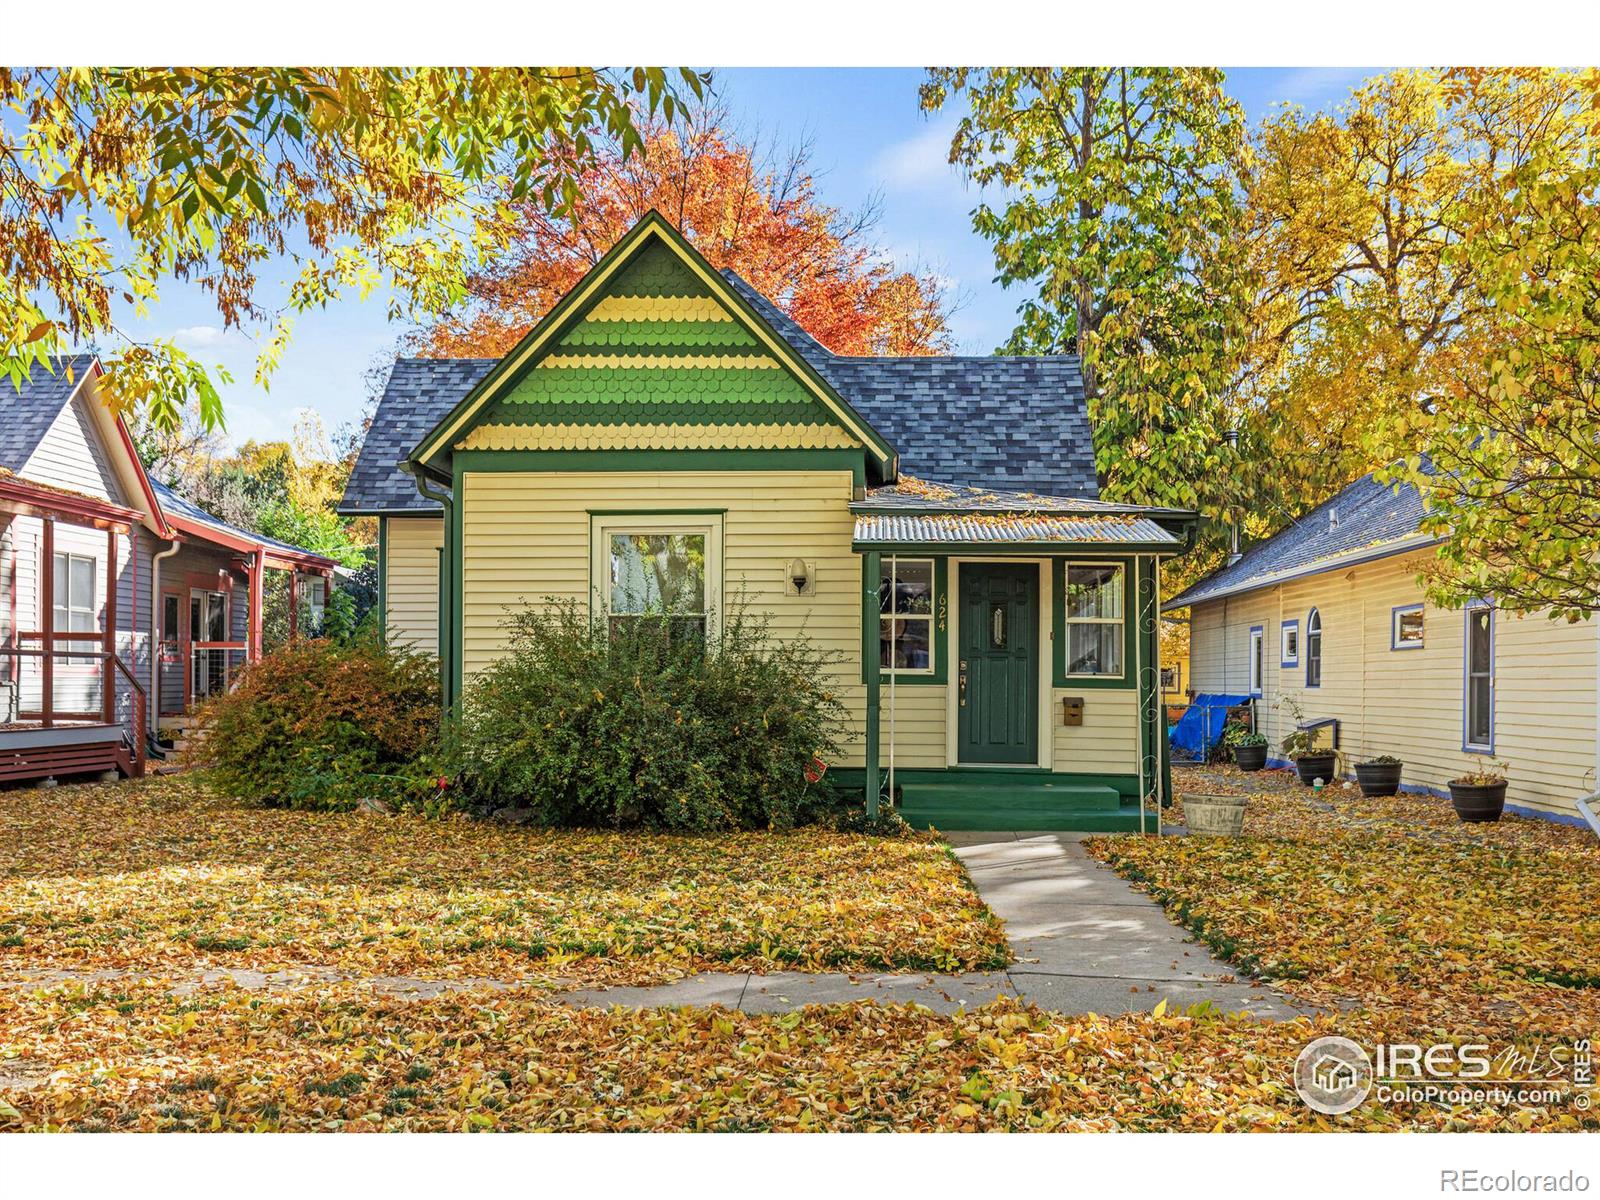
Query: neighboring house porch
122	605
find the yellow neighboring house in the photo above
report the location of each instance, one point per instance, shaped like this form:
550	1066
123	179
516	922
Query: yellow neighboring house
935	521
1328	615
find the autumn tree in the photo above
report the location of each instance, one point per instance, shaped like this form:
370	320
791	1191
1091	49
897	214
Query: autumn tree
114	182
1355	219
1507	445
740	209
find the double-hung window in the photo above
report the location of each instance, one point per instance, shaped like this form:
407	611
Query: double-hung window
1095	619
1258	657
1289	650
73	603
1478	690
905	615
663	571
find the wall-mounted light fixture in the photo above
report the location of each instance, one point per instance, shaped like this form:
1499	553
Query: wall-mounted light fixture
801	578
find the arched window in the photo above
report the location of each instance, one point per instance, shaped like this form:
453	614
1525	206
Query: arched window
1314	649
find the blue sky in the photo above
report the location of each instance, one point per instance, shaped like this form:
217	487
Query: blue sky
868	138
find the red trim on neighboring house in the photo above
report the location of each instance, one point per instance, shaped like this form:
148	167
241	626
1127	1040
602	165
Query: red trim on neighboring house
29	499
96	371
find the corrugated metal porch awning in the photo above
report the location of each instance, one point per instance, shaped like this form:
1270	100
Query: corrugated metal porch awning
1030	530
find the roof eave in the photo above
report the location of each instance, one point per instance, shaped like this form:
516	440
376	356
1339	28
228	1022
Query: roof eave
1420	541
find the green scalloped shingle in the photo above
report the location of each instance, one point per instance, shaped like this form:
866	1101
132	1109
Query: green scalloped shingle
672	395
657	271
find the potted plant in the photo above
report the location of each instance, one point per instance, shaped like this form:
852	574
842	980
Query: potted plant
1310	763
1379	776
1213	814
1480	795
1249	748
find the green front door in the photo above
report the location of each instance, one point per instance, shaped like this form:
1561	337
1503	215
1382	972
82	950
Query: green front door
998	664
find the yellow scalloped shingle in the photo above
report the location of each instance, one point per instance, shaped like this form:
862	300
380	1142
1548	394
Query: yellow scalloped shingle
658	308
622	362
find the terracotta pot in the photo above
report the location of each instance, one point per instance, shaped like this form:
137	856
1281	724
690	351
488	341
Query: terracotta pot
1214	816
1474	802
1250	758
1378	779
1312	767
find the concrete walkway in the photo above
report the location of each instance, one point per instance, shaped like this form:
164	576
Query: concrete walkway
1085	941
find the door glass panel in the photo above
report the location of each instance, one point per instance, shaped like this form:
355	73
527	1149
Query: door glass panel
216	617
997	626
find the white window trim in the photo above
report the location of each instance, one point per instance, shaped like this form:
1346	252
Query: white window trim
602	527
929	616
93	611
1068	621
1257	668
1285	630
1394	627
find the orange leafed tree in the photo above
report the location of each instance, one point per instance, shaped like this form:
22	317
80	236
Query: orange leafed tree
766	222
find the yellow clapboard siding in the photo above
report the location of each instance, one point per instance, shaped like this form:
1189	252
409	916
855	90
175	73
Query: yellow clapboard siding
1106	742
411	589
657	437
525	538
1409	702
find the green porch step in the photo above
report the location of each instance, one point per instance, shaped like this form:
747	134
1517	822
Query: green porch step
1013	805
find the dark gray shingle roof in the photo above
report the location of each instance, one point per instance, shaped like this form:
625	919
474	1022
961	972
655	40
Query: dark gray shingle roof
419	393
1014	423
1365	514
26	415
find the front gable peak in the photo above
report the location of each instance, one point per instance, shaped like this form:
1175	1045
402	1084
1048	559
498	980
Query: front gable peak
653	349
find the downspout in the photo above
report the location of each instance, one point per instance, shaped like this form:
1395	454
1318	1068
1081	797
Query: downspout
447	586
153	700
1138	688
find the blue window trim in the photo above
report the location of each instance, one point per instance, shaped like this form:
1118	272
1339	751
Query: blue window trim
1468	747
1256	685
1394	627
1284	628
1305	645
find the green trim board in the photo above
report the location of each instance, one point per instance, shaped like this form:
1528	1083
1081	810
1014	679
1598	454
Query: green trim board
511	369
383	578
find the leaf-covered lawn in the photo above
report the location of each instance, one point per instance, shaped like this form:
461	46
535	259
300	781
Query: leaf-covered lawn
137	1058
164	876
1390	905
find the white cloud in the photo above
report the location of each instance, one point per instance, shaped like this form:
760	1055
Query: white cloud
919	160
207	337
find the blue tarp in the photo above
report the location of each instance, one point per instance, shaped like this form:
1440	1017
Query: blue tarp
1200	727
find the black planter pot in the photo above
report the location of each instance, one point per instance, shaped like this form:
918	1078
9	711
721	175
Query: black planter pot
1312	767
1378	779
1478	803
1250	758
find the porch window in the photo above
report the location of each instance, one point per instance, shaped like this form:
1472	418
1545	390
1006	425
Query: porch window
1314	649
1095	619
1478	692
905	620
313	606
663	572
74	606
